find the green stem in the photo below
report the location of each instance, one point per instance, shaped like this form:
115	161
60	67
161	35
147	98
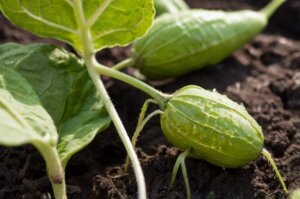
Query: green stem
54	169
186	177
120	129
124	64
160	97
142	125
179	162
138	132
272	7
270	159
140	120
88	55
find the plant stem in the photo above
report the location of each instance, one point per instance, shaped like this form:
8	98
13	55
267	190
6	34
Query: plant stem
270	159
88	55
54	169
124	64
272	7
120	128
161	98
137	133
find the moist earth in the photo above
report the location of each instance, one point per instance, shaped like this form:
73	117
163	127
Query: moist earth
264	75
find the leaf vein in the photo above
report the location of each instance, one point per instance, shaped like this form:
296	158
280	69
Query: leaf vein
110	32
48	23
98	13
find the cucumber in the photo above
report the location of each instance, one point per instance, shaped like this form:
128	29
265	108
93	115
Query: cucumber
189	40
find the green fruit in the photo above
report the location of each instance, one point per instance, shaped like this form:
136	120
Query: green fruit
189	40
215	128
295	194
169	6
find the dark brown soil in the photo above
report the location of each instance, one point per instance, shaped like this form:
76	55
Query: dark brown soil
264	76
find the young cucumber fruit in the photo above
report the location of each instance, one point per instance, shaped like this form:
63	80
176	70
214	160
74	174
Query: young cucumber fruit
215	128
169	6
209	126
188	40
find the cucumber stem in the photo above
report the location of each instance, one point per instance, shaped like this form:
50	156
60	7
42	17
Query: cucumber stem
272	7
270	159
88	54
124	64
161	98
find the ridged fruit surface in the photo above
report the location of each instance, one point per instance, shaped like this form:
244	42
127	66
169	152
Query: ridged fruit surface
217	129
188	40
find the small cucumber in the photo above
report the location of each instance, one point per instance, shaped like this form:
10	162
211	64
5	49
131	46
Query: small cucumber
169	6
189	40
209	126
215	128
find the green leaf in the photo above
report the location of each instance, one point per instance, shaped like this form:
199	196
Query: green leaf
64	89
23	120
111	22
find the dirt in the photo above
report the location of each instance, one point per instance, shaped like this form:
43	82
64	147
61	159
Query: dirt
264	75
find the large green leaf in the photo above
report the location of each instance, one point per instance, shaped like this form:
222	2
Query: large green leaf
65	90
111	22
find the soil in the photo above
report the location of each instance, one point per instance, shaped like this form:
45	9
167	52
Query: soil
264	75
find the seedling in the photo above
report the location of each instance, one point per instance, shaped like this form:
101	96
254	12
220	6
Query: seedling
55	101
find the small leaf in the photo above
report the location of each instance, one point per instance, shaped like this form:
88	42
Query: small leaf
111	22
64	89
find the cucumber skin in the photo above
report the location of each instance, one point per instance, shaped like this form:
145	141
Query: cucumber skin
217	129
169	6
189	40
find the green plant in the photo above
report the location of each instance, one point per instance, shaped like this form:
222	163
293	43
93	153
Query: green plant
169	6
189	40
31	108
54	100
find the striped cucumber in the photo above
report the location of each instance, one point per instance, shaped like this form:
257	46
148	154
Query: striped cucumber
189	40
217	129
209	126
